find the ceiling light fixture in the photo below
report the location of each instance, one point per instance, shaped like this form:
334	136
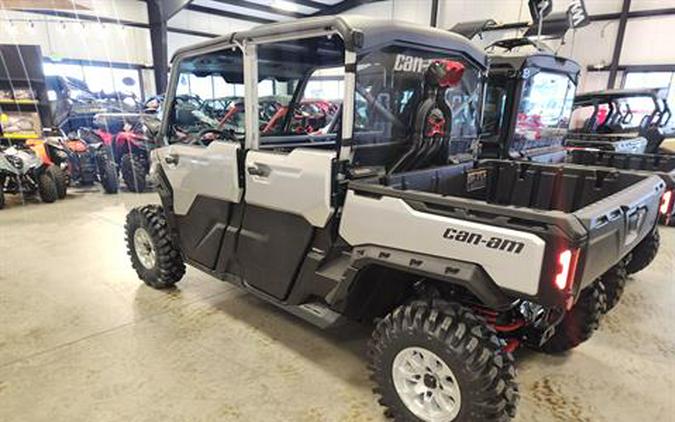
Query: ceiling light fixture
285	5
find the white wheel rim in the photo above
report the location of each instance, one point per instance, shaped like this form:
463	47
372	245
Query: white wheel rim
145	249
426	385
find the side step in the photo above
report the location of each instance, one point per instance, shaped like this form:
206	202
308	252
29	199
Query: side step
317	314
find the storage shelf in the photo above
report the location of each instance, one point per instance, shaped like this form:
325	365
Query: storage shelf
18	102
20	135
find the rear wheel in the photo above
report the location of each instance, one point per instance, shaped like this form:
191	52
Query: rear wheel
153	255
133	172
60	178
2	197
580	322
441	363
614	283
107	173
47	187
645	252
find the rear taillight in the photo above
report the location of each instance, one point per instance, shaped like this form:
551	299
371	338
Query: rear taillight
566	267
665	202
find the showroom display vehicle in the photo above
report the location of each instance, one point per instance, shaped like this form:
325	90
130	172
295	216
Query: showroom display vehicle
130	148
23	172
527	117
611	123
386	215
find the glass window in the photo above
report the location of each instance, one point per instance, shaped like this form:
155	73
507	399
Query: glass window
301	90
494	108
391	87
544	110
208	102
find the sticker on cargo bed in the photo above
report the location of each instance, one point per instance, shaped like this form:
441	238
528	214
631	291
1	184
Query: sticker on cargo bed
493	242
476	180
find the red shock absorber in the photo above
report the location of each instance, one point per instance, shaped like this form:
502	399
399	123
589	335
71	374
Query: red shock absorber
490	318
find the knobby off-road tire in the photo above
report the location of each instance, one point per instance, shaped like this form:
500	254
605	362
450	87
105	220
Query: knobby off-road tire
645	252
580	322
149	245
614	283
61	180
107	173
133	172
47	187
441	337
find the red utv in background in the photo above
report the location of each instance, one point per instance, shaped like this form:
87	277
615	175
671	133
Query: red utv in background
130	147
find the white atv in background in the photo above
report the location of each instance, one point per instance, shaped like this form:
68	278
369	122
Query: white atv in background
386	215
23	172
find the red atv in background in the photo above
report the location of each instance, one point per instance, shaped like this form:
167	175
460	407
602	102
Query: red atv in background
130	147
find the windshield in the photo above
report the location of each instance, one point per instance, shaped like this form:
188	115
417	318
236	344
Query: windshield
544	111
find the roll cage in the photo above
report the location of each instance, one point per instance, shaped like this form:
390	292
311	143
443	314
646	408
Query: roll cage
613	99
358	36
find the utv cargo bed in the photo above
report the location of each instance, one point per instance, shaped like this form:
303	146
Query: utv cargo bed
617	142
662	165
604	213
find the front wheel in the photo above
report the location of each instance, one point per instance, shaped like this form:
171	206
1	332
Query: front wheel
107	174
60	178
2	197
133	172
149	244
47	187
645	252
441	363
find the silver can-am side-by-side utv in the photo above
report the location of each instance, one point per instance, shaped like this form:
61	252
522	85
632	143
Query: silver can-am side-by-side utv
384	214
527	114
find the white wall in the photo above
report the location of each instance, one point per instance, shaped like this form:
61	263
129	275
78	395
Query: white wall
66	38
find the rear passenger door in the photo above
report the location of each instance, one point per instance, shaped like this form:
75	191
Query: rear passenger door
289	173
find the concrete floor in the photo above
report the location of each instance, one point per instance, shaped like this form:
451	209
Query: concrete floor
82	339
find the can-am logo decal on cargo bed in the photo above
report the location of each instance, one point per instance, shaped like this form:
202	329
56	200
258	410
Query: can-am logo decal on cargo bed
492	242
413	64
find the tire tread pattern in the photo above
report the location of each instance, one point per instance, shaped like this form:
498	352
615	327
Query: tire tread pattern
170	267
464	335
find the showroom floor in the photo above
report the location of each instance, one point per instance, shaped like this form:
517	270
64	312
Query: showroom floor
82	339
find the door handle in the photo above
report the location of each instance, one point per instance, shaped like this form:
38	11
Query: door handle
259	170
171	159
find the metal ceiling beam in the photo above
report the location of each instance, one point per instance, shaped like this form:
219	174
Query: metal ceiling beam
226	14
341	7
595	18
261	8
618	44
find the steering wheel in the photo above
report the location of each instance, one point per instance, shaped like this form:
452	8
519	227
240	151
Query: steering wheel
204	139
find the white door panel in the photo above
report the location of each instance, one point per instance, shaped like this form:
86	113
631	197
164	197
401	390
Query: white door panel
298	182
512	258
194	170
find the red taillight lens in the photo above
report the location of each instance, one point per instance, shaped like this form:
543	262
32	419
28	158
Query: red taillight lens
567	262
665	202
